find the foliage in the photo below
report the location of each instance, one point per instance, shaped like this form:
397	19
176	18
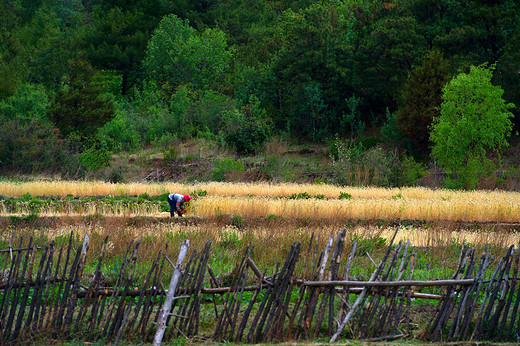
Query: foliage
388	47
95	156
248	131
35	146
351	120
376	166
300	195
422	97
30	101
345	195
224	166
82	106
120	133
390	131
411	171
213	113
178	54
237	221
152	72
474	123
311	68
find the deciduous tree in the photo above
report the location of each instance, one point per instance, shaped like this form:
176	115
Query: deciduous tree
475	122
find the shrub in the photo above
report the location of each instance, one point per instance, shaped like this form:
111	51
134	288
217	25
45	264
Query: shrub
301	195
116	174
172	154
411	171
224	166
120	133
345	195
95	156
35	146
356	166
250	136
237	221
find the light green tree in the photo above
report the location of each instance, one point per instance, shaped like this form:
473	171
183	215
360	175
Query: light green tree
179	54
474	123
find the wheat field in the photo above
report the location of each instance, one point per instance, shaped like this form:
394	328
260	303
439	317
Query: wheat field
264	199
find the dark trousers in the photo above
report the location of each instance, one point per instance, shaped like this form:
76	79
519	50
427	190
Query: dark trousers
173	207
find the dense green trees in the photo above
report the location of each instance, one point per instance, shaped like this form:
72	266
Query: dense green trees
120	74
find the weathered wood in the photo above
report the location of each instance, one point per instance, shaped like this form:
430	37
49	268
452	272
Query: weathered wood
403	283
38	296
121	316
76	283
314	293
10	307
142	291
345	295
360	298
39	300
161	326
280	301
47	301
247	312
260	310
512	294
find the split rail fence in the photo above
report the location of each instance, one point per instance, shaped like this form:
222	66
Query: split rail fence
45	295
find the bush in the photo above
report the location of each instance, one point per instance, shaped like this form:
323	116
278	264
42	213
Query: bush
116	174
95	156
225	166
35	146
377	166
248	137
301	195
472	129
172	154
356	166
120	133
345	195
237	221
411	171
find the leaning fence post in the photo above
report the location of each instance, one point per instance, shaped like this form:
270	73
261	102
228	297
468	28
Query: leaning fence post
165	311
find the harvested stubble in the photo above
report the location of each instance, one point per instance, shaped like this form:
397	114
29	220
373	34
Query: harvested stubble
271	239
118	208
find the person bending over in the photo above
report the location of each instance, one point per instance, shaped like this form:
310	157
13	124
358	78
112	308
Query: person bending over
176	202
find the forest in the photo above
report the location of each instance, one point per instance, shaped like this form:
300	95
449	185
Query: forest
414	81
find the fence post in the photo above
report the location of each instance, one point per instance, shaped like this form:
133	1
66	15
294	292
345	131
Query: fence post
165	311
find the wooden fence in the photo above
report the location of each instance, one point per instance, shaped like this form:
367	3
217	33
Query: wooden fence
45	295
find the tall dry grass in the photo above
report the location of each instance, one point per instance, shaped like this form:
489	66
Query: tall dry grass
496	210
94	188
251	200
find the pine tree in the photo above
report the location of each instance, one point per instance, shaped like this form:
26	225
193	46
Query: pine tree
82	106
422	97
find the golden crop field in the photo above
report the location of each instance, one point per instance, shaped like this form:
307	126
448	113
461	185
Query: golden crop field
94	188
263	200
